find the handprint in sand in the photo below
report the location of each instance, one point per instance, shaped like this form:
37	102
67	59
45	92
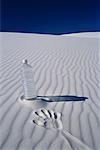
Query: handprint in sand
48	119
53	120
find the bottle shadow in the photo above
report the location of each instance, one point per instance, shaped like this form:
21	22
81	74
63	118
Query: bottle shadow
63	98
43	101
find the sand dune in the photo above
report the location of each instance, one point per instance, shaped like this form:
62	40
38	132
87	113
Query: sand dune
62	65
84	35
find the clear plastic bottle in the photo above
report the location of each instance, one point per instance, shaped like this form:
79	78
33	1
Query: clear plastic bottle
28	81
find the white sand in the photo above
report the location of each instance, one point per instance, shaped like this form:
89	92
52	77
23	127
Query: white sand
62	65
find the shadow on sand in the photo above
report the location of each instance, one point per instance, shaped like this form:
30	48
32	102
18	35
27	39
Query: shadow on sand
62	98
43	101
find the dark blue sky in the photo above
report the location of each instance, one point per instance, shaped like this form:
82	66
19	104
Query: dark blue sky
50	16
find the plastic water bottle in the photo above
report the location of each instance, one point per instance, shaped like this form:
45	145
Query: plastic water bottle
28	81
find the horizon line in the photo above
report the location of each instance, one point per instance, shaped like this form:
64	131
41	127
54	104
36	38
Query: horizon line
50	33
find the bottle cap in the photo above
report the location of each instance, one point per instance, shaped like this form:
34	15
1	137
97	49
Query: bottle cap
25	61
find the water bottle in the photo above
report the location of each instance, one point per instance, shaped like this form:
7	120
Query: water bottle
28	81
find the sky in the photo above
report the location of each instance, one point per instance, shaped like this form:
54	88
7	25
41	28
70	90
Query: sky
50	16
